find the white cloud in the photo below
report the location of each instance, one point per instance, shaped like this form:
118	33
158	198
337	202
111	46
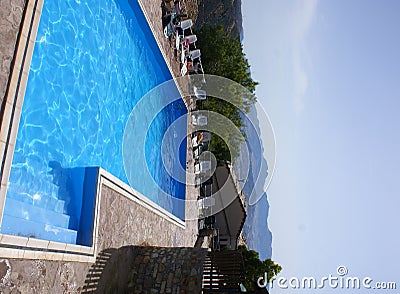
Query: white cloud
303	16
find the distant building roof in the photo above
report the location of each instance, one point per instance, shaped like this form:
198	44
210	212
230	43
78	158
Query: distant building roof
231	202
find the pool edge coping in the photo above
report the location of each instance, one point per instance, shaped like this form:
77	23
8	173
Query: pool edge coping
15	91
163	53
107	179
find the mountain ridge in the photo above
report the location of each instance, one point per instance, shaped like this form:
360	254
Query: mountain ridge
256	229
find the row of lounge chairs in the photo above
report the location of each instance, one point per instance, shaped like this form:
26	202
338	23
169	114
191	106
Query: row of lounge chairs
185	41
179	27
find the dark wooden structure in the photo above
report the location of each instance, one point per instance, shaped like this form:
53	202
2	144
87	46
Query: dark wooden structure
223	272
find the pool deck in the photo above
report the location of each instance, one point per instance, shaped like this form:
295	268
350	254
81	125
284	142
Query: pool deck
121	220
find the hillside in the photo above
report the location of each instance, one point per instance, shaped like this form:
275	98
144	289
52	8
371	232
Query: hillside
227	13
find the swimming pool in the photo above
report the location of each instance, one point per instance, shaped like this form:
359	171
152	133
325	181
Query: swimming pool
92	63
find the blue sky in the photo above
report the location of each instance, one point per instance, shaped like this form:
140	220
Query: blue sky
329	74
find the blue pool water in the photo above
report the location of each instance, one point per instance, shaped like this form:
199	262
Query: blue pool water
92	62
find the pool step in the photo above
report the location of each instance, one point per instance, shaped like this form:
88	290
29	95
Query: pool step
38	182
43	201
29	212
37	230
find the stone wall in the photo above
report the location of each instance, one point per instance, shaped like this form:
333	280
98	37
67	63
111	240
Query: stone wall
149	270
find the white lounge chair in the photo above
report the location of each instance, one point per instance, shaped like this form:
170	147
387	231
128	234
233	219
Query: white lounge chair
199	120
205	202
182	42
182	25
184	69
202	167
185	24
199	93
198	150
193	54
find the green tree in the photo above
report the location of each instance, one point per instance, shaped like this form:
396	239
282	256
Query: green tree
233	138
223	55
255	268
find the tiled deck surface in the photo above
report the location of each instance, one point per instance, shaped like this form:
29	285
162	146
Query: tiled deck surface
122	222
10	18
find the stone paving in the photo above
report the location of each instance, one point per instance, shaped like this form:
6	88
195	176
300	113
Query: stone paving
122	222
10	19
